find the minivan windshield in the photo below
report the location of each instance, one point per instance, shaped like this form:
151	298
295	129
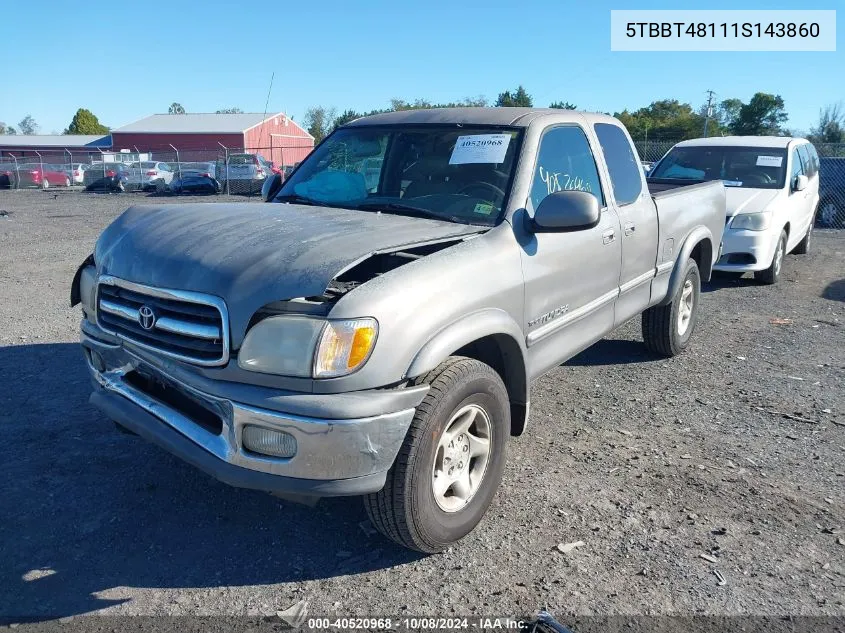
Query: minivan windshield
459	174
747	167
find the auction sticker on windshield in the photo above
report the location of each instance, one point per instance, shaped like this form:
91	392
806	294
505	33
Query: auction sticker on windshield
769	161
480	148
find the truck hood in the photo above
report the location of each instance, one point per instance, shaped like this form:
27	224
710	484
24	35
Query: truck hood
740	200
252	254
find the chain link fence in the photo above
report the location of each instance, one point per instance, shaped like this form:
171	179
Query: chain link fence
229	170
242	171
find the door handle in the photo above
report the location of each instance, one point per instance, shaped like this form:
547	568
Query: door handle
630	228
608	236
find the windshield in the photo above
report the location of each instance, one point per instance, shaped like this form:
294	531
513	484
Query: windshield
459	174
747	167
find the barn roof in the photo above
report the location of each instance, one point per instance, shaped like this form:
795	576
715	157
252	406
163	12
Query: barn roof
55	140
198	123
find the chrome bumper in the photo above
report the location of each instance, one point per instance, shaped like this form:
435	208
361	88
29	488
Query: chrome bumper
333	456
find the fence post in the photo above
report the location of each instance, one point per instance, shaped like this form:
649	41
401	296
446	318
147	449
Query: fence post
178	162
70	166
41	166
226	163
17	172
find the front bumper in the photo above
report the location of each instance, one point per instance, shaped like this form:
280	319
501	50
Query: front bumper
333	456
746	251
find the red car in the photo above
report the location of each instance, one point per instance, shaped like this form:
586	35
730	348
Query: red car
52	176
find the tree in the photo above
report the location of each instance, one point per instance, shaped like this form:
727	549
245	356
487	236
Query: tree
667	119
230	111
763	115
520	98
27	125
831	127
6	129
727	112
563	105
319	121
85	122
176	108
345	117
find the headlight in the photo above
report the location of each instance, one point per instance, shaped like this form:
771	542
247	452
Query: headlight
306	347
752	221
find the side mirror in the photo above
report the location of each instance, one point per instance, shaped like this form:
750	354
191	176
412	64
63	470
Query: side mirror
565	211
271	187
800	183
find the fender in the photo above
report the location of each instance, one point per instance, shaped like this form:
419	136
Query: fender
695	237
471	328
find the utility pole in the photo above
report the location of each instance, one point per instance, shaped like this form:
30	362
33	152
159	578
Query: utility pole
709	111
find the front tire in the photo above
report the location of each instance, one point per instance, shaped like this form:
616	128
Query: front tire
451	462
45	184
667	329
772	274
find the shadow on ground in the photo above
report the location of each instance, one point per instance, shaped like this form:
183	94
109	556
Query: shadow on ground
612	352
87	509
835	291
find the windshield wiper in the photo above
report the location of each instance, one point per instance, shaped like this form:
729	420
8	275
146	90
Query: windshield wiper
297	199
399	208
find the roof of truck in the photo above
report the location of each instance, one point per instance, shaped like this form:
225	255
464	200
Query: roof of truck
512	117
742	141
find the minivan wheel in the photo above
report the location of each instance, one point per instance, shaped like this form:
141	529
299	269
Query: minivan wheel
451	462
667	329
772	273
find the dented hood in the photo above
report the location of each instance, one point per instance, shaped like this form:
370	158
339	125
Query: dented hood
252	254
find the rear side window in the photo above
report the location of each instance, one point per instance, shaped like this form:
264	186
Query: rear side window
565	163
807	160
625	171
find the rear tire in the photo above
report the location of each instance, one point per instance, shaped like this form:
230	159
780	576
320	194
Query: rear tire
772	274
667	329
45	184
803	246
67	182
424	505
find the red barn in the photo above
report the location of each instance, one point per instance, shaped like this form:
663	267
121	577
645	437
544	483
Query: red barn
201	136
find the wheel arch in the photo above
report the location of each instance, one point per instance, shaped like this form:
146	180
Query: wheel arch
699	246
491	337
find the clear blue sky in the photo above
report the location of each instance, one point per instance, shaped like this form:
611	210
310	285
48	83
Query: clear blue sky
210	54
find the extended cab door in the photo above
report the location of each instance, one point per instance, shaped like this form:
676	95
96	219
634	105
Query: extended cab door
630	198
571	278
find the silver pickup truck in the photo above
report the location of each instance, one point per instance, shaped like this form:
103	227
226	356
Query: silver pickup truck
375	329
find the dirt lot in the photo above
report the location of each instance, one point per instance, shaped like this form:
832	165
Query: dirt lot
735	450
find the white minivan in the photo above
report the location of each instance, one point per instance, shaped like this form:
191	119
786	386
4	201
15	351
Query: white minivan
772	194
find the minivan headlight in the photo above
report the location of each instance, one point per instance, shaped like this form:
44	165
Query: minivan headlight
752	221
308	347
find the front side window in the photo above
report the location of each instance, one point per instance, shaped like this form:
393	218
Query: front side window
622	165
460	174
746	167
565	163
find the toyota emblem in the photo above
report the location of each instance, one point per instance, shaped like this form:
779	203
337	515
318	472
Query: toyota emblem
146	317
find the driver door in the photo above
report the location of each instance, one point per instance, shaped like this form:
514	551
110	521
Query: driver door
571	278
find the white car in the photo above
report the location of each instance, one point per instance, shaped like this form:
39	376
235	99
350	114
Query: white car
149	174
772	195
77	172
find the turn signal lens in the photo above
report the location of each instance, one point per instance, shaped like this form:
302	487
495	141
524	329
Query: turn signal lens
344	347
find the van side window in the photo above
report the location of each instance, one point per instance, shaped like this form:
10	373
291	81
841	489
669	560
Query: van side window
624	168
797	167
565	162
806	160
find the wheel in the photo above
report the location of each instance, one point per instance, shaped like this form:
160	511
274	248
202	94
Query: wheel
67	182
45	184
803	246
772	273
451	461
667	329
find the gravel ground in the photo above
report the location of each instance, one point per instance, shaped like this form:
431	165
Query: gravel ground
733	450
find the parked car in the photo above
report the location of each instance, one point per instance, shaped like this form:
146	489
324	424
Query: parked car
149	175
106	177
77	172
195	178
244	172
772	195
831	192
42	175
382	341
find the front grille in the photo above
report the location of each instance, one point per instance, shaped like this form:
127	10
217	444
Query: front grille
184	325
